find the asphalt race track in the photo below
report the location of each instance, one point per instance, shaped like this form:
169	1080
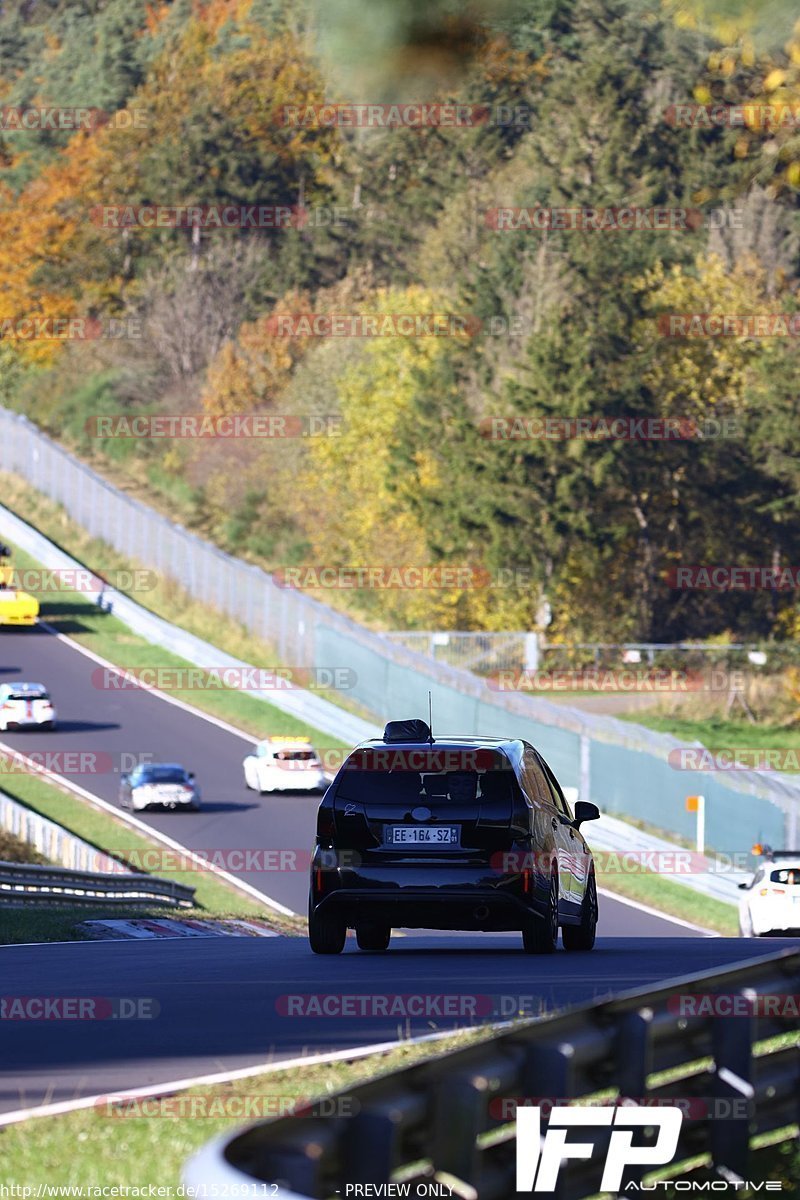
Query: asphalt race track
221	1007
218	997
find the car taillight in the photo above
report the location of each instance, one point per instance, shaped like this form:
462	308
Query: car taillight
326	825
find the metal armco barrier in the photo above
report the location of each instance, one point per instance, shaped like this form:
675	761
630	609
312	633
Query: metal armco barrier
24	883
54	842
622	767
450	1121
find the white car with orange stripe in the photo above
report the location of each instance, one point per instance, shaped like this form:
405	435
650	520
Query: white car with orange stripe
26	706
284	764
771	901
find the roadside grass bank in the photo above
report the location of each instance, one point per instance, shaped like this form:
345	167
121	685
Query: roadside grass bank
214	898
673	899
725	733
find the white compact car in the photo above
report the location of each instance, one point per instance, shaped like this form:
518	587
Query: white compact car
26	706
771	902
284	765
159	785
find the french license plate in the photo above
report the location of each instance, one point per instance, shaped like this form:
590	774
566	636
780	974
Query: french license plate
423	835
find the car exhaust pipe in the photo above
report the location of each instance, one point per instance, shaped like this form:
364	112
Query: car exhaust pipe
481	912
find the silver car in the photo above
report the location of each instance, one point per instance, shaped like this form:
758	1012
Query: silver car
159	785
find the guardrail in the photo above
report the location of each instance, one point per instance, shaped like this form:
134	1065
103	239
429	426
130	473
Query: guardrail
24	883
57	844
450	1121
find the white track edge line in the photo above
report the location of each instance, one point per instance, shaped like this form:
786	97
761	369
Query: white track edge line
656	912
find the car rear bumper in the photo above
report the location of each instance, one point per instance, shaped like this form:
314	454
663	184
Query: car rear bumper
426	896
141	805
31	723
297	783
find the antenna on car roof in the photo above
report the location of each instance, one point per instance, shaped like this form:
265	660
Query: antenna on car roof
430	719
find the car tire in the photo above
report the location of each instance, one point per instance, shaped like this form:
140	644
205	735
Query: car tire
373	935
327	933
582	937
540	935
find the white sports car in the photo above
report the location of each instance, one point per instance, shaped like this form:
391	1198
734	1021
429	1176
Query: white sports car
284	765
771	901
26	706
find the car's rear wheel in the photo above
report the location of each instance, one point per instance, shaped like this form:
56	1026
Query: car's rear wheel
326	932
540	935
582	937
373	935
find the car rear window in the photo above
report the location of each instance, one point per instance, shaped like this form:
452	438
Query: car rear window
34	695
787	875
420	787
295	755
163	775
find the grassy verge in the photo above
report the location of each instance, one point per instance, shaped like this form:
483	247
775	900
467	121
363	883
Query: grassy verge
84	621
213	897
673	899
720	733
123	1150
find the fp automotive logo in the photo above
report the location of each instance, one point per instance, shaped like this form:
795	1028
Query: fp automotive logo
539	1157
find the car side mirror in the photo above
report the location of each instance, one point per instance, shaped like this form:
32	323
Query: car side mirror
125	777
743	886
190	776
585	811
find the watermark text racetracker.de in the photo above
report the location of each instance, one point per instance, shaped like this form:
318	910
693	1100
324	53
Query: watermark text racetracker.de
604	219
19	119
407	1005
606	428
648	680
734	758
78	1008
732	577
37	328
235	1106
205	679
266	425
79	579
400	576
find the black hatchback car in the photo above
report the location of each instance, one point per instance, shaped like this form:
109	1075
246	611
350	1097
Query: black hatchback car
457	833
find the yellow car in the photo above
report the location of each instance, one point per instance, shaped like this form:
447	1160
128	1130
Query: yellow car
16	608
